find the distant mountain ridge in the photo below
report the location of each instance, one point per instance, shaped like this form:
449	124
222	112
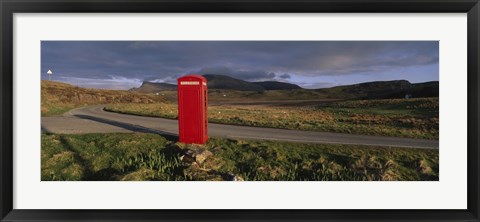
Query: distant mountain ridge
367	90
152	87
385	90
227	82
220	82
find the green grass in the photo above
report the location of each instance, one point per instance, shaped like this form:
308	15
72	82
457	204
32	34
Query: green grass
411	118
140	156
108	157
269	160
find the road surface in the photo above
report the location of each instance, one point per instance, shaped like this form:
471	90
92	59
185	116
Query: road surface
93	119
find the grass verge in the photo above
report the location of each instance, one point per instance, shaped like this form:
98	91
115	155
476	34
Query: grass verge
141	156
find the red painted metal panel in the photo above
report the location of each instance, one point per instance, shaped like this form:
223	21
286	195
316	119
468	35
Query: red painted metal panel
192	109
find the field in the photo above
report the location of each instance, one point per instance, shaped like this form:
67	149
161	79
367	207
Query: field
411	118
139	157
143	156
58	98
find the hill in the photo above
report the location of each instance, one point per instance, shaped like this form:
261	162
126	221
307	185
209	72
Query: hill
227	82
426	89
224	87
274	85
384	90
58	97
220	82
153	87
369	90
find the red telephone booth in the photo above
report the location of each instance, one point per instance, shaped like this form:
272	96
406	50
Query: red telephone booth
192	109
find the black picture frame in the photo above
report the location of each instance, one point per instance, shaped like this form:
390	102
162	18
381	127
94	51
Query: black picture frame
9	7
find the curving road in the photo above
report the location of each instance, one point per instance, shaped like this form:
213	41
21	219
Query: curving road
93	119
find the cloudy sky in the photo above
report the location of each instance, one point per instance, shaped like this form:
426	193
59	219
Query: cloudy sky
310	64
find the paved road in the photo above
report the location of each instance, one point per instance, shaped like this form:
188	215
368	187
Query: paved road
93	119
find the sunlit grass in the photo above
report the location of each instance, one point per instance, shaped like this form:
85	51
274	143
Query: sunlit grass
413	118
140	156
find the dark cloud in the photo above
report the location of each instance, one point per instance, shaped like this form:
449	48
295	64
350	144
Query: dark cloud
285	76
248	60
343	58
